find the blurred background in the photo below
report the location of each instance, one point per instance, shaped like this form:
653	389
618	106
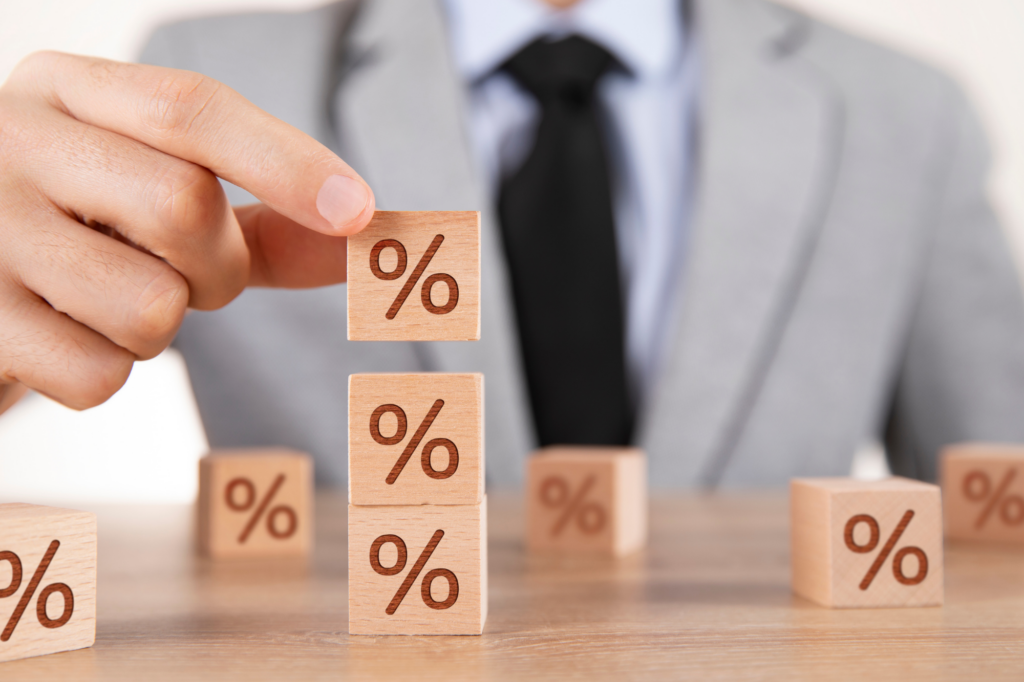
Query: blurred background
142	446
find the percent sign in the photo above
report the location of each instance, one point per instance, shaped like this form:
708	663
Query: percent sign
428	449
417	272
897	561
417	568
33	585
590	517
250	500
978	487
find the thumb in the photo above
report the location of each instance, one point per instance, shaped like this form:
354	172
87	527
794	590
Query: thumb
284	254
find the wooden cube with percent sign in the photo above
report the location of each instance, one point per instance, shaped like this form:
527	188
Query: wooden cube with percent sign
417	570
983	492
416	438
866	543
415	276
255	503
47	580
587	499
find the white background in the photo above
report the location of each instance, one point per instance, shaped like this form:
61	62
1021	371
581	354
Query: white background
144	443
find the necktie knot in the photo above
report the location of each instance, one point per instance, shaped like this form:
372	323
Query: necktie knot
565	71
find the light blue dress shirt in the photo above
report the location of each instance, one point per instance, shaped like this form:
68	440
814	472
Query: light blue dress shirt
651	115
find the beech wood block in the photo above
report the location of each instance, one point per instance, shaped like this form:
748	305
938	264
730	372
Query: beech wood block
587	499
417	570
47	580
866	543
255	503
416	438
415	276
983	492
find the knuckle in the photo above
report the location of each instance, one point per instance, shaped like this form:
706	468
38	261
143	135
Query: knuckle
189	200
102	377
177	101
234	275
42	61
159	311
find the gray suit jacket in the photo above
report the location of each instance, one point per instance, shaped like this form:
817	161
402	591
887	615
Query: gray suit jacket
846	278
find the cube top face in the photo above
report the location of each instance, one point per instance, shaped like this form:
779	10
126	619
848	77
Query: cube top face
587	452
416	439
867	544
417	570
983	492
47	580
415	276
586	499
896	484
255	503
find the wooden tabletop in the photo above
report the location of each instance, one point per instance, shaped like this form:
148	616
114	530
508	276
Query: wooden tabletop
708	599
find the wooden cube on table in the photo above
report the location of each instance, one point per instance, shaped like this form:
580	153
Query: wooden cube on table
417	570
47	580
866	543
415	276
416	439
587	499
983	492
255	503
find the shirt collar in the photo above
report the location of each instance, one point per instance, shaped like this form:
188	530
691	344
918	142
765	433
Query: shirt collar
645	35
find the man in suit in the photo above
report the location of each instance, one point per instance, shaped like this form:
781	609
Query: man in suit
795	220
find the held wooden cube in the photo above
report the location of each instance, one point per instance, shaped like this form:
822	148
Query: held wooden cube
983	492
415	276
255	503
47	580
587	499
415	439
866	543
417	570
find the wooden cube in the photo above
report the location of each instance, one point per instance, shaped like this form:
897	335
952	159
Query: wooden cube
47	580
416	438
255	503
983	492
586	499
415	276
866	543
417	570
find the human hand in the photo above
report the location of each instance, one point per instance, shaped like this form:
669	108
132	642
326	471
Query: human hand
112	221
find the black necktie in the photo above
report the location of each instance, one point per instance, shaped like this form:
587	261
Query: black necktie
559	236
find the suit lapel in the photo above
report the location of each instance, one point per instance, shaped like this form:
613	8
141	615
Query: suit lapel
399	111
763	181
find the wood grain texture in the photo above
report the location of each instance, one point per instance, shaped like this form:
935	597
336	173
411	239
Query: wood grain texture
255	503
47	580
415	276
708	598
417	570
587	499
393	460
866	543
983	492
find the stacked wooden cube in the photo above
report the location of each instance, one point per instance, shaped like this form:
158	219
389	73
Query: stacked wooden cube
417	510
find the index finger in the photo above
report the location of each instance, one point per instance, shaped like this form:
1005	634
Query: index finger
200	120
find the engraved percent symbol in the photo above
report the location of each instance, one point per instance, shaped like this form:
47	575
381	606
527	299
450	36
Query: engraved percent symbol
421	431
417	568
897	561
33	585
403	260
590	517
250	499
978	487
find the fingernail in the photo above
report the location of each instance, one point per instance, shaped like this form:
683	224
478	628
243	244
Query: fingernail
341	200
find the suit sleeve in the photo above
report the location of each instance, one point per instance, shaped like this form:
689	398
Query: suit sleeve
962	374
